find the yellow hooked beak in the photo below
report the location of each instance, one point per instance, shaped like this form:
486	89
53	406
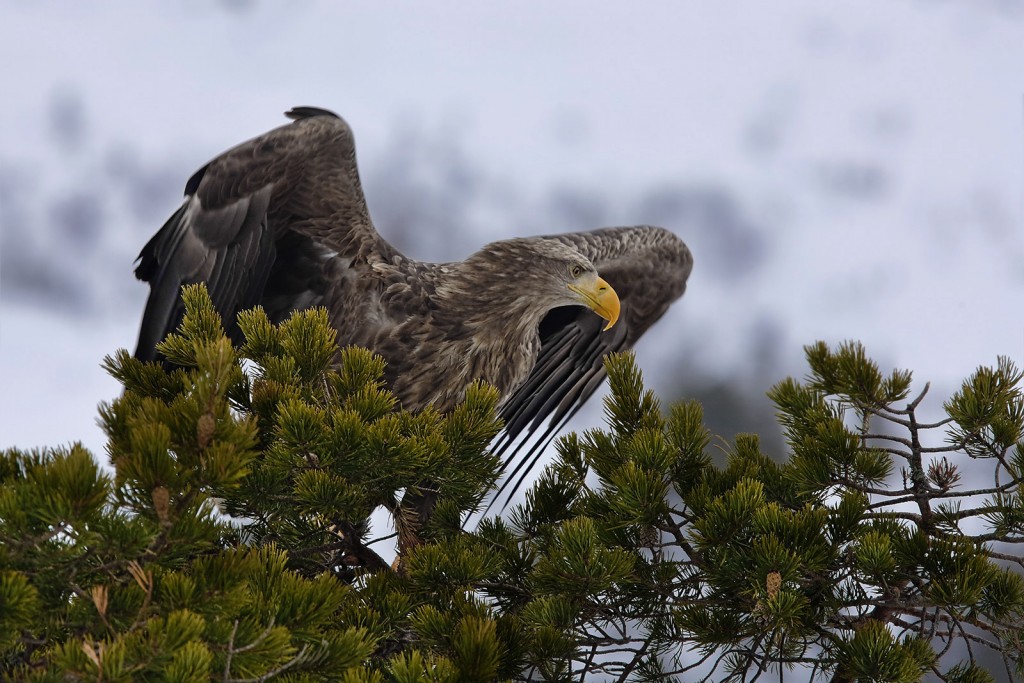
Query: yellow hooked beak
599	297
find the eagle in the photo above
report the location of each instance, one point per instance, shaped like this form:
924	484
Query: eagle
281	221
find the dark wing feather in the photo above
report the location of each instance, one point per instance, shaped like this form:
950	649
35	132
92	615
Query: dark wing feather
286	197
648	267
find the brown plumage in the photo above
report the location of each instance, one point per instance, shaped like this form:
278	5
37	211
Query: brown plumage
281	221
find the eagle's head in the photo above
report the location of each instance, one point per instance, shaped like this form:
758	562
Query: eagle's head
545	274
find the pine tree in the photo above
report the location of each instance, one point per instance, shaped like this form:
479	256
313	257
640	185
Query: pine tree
231	541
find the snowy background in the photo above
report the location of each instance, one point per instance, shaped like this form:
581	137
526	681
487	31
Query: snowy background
849	170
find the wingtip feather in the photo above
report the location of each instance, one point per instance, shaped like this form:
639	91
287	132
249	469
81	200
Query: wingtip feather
298	113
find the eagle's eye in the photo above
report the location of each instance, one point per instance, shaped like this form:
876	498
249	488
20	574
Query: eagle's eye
576	271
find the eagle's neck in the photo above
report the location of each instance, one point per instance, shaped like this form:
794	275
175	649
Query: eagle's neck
484	304
483	328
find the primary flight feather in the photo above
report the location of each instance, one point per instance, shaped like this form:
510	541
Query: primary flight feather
281	221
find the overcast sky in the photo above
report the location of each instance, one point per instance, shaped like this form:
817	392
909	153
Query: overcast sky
875	147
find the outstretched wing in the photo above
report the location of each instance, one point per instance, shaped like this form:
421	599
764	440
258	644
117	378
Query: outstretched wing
257	224
648	267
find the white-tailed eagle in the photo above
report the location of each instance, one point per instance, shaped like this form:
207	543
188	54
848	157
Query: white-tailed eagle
281	221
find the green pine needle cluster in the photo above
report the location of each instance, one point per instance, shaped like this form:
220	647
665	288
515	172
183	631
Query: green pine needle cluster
229	539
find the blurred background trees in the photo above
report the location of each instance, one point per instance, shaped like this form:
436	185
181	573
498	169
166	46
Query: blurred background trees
846	160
